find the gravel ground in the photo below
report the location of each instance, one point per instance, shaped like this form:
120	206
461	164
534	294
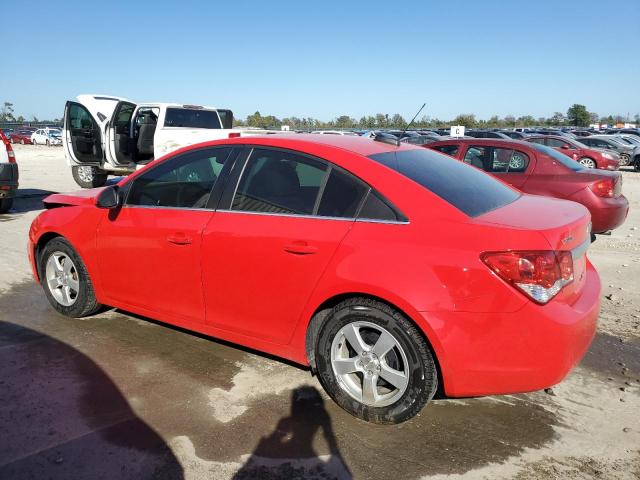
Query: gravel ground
119	396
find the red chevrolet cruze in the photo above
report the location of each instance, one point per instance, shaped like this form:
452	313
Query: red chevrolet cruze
390	270
541	170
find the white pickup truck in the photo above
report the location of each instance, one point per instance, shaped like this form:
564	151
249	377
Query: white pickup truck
105	135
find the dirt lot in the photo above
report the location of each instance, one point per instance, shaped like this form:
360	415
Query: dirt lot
119	396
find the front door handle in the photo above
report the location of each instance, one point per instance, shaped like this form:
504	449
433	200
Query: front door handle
300	247
179	239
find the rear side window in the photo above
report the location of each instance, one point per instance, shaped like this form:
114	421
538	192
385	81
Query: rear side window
279	182
469	190
374	208
342	195
191	118
447	149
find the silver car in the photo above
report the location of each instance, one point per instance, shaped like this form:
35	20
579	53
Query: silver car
626	151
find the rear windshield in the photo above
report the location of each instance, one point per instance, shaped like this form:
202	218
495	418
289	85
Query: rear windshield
466	188
560	157
191	118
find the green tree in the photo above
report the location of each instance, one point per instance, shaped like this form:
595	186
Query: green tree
558	118
468	120
578	115
397	121
6	113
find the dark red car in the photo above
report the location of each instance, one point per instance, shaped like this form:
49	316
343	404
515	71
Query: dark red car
588	156
390	270
541	170
22	136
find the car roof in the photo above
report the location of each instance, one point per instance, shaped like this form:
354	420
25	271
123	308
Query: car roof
355	144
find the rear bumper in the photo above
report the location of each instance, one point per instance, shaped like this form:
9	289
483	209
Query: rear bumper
606	213
8	179
501	353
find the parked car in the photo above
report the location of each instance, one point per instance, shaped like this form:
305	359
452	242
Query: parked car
334	132
626	152
581	153
540	170
105	135
485	134
22	137
47	137
7	132
581	133
633	141
515	135
624	131
8	174
343	245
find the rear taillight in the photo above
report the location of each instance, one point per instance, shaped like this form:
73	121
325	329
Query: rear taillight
538	274
10	153
607	188
234	134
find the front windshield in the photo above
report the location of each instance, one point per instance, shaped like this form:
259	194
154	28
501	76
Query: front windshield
563	159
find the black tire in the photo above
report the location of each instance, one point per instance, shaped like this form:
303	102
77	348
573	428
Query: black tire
22	141
85	303
33	142
97	179
636	165
47	142
6	204
421	369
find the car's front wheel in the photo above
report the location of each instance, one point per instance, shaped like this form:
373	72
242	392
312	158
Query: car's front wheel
65	280
89	177
587	162
374	362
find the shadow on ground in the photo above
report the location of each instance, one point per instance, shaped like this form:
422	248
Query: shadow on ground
73	385
62	417
26	200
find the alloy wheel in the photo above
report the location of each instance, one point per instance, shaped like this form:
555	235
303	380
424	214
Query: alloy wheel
369	364
85	173
62	278
587	162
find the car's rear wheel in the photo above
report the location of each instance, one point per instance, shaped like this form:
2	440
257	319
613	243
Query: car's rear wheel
34	142
6	204
65	280
587	162
89	177
374	362
47	142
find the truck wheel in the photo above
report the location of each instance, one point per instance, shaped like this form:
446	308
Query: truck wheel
6	204
89	177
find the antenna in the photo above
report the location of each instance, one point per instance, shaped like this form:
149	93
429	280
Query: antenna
411	122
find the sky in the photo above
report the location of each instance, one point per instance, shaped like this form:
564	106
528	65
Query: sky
324	59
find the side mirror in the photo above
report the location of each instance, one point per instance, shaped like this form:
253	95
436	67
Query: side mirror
566	146
109	198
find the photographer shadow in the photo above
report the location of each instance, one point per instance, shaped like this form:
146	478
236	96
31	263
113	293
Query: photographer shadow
288	452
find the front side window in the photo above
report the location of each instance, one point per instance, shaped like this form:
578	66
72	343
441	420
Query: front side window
185	181
476	156
275	181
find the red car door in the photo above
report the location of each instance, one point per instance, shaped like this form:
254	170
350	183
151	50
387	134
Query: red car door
149	251
267	246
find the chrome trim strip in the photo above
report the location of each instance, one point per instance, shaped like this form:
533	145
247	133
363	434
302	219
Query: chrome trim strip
581	249
315	217
161	207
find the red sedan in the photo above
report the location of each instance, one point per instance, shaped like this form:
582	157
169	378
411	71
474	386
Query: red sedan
581	153
541	170
22	136
388	269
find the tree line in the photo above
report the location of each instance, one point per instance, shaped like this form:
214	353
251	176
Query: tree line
577	116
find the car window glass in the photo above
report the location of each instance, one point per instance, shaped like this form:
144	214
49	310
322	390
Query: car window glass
342	195
374	208
448	149
79	117
507	160
475	156
185	181
555	143
539	141
275	181
192	118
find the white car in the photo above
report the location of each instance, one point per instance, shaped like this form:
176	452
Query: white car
105	135
46	136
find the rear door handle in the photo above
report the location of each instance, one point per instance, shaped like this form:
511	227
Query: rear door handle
179	239
300	248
